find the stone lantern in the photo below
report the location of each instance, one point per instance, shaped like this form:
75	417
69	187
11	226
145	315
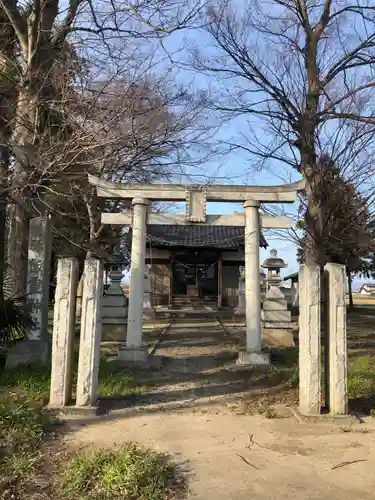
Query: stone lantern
276	318
273	264
115	310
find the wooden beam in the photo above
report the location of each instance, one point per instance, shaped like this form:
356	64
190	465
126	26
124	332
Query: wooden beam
171	269
220	281
286	193
168	219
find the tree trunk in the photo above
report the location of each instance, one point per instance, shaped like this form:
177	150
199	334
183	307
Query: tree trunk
350	291
18	237
314	251
18	240
4	164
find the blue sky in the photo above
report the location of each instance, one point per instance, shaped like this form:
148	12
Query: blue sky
236	167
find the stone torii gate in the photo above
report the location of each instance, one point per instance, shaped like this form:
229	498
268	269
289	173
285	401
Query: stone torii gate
196	197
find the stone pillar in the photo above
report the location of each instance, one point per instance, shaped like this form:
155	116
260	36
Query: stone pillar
241	306
38	275
64	323
148	310
36	348
335	332
89	343
309	340
252	355
135	350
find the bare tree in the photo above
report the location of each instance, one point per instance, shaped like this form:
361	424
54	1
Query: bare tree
127	132
302	73
41	34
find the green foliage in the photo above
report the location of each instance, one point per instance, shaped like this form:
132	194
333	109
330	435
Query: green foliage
15	320
341	228
21	464
129	473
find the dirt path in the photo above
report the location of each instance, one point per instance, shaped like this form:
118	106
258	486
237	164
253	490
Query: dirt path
286	459
188	412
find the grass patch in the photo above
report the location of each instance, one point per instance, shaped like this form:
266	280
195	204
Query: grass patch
115	380
361	375
32	381
284	366
22	428
129	473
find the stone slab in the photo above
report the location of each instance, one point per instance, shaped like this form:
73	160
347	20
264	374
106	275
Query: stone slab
277	324
133	354
276	316
275	305
114	312
341	420
28	351
114	301
77	411
277	337
253	358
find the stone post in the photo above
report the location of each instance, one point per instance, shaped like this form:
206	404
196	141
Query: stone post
148	310
252	286
309	340
335	332
135	350
64	323
89	344
38	275
36	347
241	306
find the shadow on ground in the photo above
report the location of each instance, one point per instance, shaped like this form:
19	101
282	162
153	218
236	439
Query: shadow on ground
193	364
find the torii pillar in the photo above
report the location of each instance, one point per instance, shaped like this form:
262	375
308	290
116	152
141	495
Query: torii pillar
196	198
252	355
135	350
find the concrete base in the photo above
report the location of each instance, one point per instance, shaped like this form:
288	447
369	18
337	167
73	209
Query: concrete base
76	411
133	354
253	358
28	351
277	337
324	417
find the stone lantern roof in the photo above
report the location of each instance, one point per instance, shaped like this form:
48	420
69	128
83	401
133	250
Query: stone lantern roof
274	262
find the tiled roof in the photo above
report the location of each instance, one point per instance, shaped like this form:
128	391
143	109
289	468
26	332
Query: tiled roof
198	236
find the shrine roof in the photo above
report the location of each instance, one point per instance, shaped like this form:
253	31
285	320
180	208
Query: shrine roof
198	236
